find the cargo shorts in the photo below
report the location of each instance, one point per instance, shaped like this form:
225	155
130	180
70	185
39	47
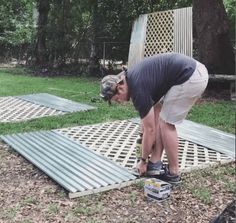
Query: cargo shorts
180	98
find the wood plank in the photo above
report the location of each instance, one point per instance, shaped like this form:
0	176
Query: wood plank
102	189
222	77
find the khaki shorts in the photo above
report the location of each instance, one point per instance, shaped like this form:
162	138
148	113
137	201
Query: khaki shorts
180	98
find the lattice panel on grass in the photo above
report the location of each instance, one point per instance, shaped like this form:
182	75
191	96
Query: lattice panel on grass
159	33
13	109
116	140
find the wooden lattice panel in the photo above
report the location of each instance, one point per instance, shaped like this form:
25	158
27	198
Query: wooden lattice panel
13	109
117	140
114	140
159	33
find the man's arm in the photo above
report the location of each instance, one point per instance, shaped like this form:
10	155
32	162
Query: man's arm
148	127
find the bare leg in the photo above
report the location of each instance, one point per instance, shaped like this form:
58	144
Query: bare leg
170	142
158	147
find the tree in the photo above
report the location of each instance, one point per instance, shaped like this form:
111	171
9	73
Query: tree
93	67
40	49
212	36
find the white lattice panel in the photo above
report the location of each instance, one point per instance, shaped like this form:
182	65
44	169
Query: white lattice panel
159	33
13	109
116	140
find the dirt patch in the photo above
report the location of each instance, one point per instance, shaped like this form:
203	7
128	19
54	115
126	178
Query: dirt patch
28	195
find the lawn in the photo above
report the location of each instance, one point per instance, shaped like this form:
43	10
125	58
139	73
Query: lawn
77	89
217	114
27	195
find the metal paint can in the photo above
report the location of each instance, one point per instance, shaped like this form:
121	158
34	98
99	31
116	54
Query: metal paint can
156	190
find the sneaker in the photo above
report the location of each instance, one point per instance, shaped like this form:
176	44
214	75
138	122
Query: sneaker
155	168
169	178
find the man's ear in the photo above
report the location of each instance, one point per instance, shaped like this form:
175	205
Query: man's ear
119	87
121	82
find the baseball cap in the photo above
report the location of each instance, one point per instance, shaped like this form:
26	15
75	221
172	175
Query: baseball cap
109	86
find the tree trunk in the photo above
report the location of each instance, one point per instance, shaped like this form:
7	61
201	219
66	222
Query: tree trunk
93	68
212	36
40	49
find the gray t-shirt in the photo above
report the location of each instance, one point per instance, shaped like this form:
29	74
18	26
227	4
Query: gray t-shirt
150	80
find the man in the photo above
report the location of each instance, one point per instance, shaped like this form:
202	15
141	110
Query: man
163	88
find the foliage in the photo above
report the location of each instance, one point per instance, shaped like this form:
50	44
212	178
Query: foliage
68	23
16	23
230	7
68	32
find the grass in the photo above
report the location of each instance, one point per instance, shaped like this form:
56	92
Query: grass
133	197
77	89
200	183
26	221
14	82
29	201
220	115
88	211
10	213
202	193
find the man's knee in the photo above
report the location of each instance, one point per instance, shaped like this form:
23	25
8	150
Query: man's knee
165	125
157	107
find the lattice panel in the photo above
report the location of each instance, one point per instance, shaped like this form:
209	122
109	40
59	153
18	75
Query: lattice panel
116	140
159	33
13	109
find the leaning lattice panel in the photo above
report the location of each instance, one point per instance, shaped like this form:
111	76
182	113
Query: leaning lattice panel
116	140
159	33
13	109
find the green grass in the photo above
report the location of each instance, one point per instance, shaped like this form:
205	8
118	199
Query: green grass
88	211
26	221
10	213
133	197
202	193
77	89
29	201
52	209
219	114
201	183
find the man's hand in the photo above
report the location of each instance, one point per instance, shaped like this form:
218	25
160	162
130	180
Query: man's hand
142	167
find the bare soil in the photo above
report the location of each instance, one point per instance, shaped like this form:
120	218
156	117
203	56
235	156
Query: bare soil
28	195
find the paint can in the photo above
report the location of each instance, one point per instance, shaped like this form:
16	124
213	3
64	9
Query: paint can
156	190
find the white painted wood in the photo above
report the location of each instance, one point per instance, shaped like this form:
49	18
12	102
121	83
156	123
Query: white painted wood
102	189
117	141
160	32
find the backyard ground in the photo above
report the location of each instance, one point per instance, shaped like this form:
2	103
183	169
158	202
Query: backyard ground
28	195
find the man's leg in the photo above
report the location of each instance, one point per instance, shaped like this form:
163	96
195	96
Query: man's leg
170	142
158	147
177	103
